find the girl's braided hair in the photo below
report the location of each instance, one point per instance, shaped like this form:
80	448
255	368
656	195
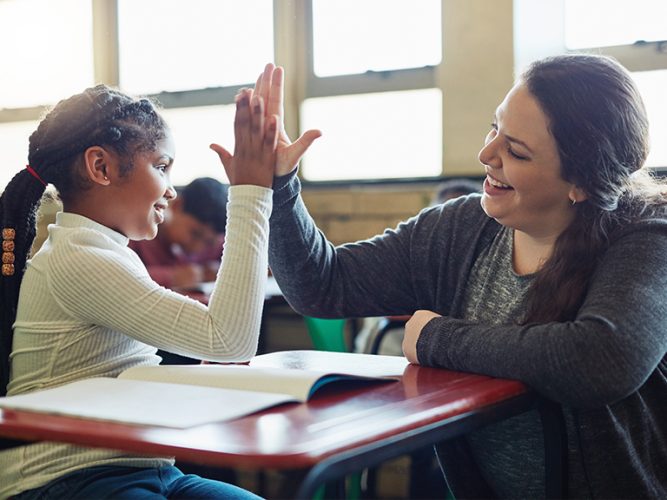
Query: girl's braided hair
99	116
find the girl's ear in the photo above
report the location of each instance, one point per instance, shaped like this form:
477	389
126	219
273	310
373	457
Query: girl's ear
97	165
577	195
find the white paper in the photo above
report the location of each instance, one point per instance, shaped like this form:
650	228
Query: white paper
147	403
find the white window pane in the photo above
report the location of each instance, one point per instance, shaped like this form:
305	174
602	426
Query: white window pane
600	23
14	148
43	57
194	130
374	136
174	45
352	36
652	85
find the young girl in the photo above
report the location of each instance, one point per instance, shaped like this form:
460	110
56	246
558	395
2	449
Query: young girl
85	306
556	276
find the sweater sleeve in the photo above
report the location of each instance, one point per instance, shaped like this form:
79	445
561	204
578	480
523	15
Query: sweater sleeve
366	278
108	287
616	341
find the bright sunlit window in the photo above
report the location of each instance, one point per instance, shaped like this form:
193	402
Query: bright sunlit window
166	45
194	130
352	36
653	85
14	148
599	23
44	58
374	136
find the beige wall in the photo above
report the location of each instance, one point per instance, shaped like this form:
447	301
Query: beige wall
354	213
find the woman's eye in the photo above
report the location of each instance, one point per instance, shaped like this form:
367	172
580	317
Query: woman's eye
515	155
162	167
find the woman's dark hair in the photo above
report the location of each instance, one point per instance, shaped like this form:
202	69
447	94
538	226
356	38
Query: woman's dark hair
99	116
598	120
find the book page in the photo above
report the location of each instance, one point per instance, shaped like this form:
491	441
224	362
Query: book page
297	373
296	383
141	402
334	363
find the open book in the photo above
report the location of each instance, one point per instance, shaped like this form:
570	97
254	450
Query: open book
188	395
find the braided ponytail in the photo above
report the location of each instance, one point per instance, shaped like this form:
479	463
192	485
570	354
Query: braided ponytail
99	116
18	208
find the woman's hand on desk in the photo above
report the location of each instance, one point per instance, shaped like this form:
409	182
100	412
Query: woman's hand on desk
413	329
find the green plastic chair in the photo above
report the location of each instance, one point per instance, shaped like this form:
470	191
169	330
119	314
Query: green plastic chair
329	335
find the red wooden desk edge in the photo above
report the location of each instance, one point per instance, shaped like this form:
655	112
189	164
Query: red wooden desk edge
476	394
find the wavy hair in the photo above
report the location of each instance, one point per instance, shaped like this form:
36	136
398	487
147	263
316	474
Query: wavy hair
598	120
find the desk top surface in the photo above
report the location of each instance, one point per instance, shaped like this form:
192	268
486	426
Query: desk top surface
337	418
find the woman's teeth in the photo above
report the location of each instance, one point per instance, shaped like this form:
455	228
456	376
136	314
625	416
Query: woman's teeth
498	184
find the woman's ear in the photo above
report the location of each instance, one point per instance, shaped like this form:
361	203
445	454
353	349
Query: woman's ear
577	195
97	164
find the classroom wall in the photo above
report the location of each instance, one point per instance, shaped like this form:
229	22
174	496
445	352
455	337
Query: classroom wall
356	212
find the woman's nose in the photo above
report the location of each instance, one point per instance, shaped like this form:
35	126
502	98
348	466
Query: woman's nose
488	155
170	193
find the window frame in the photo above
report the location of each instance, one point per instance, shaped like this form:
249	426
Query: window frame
464	31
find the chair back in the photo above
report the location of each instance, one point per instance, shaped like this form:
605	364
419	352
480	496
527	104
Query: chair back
327	334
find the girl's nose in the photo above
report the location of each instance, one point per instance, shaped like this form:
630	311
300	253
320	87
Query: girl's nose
170	193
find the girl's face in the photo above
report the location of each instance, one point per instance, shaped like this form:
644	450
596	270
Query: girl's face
144	194
523	188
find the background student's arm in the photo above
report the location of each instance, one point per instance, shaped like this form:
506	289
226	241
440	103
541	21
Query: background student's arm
617	340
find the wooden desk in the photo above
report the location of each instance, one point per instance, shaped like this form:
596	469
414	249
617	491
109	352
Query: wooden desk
341	430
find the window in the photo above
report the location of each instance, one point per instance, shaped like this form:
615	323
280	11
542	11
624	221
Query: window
373	91
631	31
375	136
194	60
44	60
167	45
381	35
634	32
652	85
194	130
14	147
600	23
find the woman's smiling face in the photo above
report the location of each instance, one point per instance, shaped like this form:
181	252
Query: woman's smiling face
523	188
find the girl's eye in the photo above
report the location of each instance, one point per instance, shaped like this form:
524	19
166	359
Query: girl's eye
162	167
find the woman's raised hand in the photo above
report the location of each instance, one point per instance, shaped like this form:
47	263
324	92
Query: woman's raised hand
256	136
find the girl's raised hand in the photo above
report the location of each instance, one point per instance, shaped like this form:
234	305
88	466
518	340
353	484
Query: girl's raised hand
270	86
256	136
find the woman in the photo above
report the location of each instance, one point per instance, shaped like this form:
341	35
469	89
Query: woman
555	276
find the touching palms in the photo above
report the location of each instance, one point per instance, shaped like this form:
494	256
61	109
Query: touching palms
269	88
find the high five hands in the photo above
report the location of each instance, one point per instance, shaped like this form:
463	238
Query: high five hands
267	95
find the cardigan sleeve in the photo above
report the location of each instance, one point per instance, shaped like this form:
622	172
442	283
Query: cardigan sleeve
416	265
608	351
